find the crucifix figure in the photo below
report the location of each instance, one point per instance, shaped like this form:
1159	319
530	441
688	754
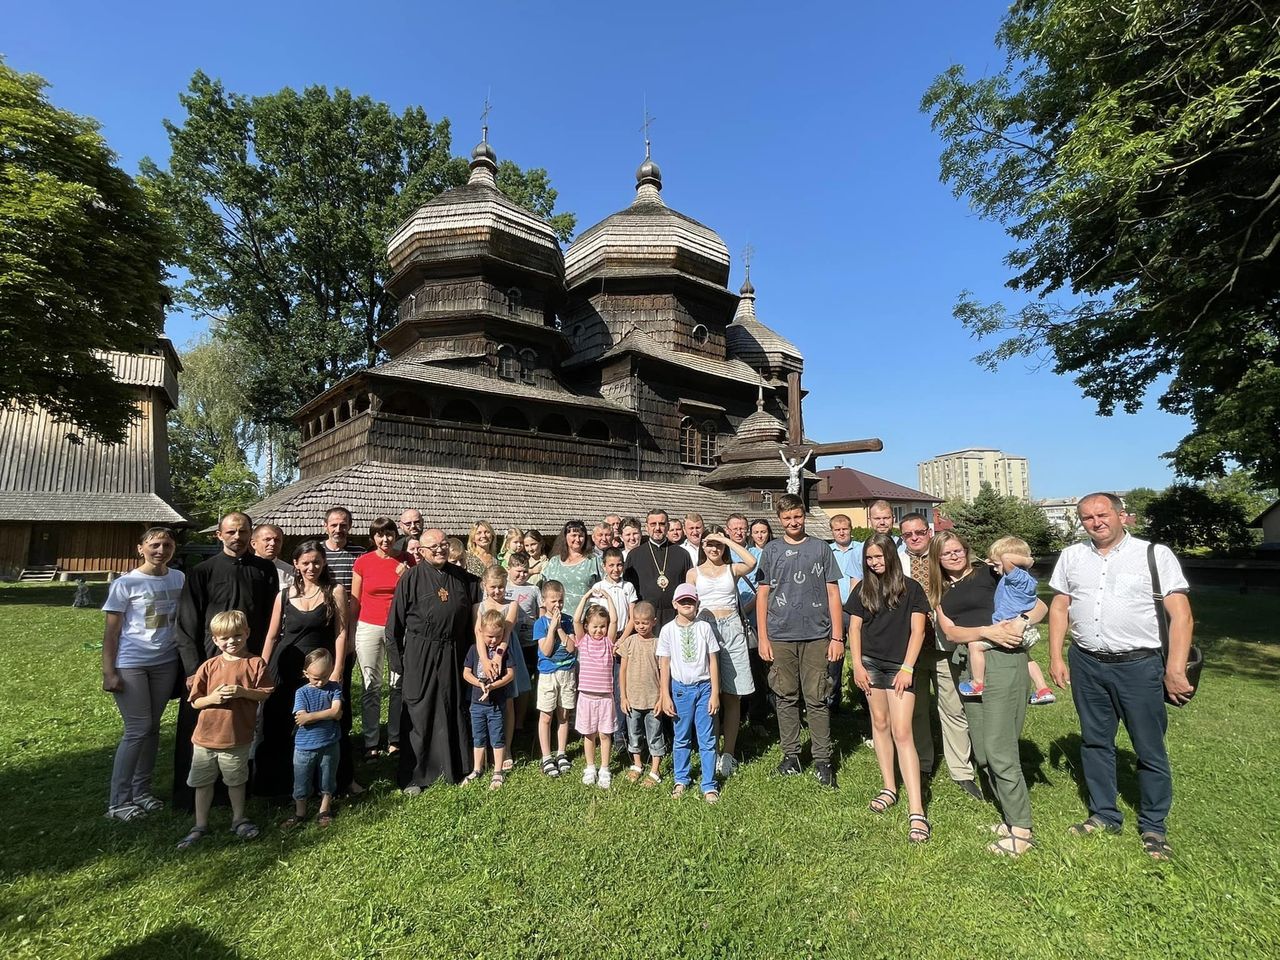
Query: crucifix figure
794	466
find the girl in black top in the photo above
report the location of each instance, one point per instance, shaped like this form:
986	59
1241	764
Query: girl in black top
887	614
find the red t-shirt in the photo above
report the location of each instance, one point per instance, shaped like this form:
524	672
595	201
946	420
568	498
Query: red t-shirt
377	585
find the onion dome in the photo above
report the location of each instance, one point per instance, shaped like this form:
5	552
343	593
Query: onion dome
475	221
648	238
755	344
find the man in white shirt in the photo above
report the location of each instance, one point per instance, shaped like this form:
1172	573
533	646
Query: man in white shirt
1104	590
693	530
849	562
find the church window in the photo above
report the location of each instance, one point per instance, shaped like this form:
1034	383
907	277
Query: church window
508	363
701	334
594	430
514	299
707	444
688	441
528	362
697	442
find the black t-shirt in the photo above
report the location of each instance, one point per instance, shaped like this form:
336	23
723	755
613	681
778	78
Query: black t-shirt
971	602
886	634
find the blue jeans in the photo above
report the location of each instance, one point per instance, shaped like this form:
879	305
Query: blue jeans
1105	694
691	702
486	726
304	766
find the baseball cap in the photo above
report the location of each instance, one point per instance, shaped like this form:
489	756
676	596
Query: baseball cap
686	591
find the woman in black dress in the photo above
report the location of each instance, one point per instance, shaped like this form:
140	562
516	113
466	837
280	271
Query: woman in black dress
310	614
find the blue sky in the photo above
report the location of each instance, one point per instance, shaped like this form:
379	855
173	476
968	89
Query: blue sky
792	127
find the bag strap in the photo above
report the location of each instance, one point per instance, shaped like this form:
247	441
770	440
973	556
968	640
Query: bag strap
1157	595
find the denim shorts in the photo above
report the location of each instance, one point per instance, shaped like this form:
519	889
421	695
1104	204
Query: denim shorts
486	726
304	767
883	672
645	726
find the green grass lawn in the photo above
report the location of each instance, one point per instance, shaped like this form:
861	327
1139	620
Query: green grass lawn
555	869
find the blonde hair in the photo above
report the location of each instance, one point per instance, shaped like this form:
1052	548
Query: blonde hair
495	573
229	623
471	538
492	618
1011	545
455	548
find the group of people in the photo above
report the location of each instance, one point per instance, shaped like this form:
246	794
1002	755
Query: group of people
657	637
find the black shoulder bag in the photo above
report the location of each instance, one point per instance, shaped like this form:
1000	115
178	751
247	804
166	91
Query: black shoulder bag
1195	659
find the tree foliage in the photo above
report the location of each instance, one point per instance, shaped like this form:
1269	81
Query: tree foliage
211	434
285	203
991	516
81	263
1187	517
1132	152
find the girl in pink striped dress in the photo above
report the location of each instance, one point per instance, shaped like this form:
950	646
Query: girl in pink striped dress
595	717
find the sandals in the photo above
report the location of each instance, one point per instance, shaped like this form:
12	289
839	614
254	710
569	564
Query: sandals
920	830
372	753
679	791
562	763
651	779
324	819
634	773
883	800
508	765
711	796
470	778
549	767
1011	845
497	780
245	829
148	803
125	812
1091	824
292	822
1156	846
191	839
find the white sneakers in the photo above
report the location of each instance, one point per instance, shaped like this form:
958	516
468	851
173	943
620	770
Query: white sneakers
589	776
602	778
605	780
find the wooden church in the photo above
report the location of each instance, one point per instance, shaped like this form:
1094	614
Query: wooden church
73	506
527	385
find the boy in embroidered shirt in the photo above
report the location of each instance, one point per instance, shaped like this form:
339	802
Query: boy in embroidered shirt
557	676
638	684
689	685
226	690
317	708
1015	597
596	712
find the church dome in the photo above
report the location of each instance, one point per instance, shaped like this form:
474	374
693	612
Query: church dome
757	345
647	238
476	221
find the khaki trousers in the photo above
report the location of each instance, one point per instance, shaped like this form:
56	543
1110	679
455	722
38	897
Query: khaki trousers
936	679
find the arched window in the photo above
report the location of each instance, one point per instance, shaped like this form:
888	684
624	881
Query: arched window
594	430
554	423
701	334
511	419
404	403
688	441
508	363
697	442
461	411
528	361
707	444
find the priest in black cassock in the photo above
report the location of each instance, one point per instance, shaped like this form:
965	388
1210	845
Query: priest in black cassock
233	579
655	567
429	630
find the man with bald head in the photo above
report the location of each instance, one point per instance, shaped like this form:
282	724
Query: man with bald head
428	632
266	542
235	578
410	524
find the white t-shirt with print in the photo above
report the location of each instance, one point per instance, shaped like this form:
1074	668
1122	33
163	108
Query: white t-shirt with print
690	649
149	607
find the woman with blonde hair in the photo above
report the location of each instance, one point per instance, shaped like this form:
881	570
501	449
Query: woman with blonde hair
962	591
479	556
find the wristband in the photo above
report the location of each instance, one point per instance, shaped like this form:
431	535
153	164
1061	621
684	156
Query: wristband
906	669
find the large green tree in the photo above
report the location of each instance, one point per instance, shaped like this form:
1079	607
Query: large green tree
991	516
285	204
1131	149
81	263
1188	517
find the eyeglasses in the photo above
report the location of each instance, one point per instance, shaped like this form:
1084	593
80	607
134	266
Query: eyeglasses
913	534
952	554
434	547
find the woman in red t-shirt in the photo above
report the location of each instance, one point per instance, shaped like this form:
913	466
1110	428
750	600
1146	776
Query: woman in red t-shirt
373	584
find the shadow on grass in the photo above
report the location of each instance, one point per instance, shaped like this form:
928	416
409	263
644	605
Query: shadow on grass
48	594
180	940
1251	661
1064	753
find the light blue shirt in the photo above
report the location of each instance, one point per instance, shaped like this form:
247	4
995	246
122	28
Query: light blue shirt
849	560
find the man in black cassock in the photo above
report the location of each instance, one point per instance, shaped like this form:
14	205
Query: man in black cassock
656	568
428	631
233	579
